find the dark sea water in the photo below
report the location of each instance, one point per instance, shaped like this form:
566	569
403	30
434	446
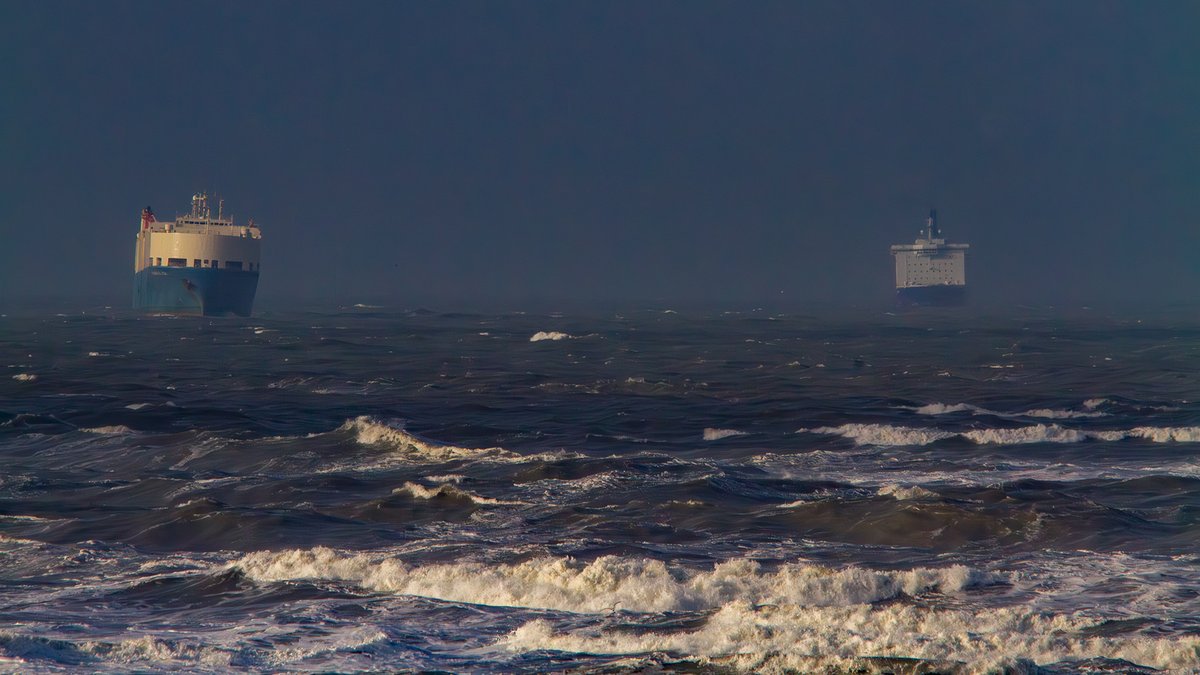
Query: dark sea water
371	489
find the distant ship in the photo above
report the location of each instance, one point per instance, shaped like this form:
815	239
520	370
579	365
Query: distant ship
196	264
930	271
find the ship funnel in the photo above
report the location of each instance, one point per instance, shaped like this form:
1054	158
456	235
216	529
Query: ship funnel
932	229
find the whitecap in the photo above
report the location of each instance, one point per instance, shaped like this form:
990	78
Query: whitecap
370	431
1040	433
711	434
109	430
906	493
549	335
418	491
883	434
793	638
629	584
25	377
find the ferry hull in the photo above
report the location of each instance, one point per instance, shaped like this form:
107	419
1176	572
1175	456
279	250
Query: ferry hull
195	290
932	296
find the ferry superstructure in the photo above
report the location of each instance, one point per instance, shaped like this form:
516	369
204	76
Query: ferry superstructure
931	271
197	264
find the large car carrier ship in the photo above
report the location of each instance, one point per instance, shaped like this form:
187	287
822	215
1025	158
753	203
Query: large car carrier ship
196	264
930	271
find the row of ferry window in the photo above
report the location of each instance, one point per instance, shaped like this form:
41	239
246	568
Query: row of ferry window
197	262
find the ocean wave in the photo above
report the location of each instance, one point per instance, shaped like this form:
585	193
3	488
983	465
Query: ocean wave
791	638
369	431
906	493
935	409
132	651
109	430
550	335
886	435
711	434
610	582
883	434
25	377
447	491
1039	433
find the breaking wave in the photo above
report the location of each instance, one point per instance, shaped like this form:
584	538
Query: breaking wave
711	434
906	493
885	435
611	582
935	409
791	638
446	491
549	335
370	431
109	430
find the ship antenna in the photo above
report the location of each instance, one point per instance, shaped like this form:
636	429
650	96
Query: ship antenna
220	208
932	225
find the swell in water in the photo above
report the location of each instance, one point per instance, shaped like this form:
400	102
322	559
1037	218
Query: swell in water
646	490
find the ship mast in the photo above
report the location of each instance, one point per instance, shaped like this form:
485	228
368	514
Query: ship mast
200	205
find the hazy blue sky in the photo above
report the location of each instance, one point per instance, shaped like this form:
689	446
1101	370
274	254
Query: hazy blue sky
443	153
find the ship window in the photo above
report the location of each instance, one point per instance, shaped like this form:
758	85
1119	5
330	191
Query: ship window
216	263
176	262
159	263
233	264
196	262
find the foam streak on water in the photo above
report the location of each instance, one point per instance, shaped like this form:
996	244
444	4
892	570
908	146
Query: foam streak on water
649	490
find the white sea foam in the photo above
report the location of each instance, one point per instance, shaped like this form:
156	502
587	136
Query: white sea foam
1046	413
906	493
25	377
370	431
944	409
152	649
1039	433
711	434
885	435
110	430
418	491
1093	403
1166	434
549	335
629	584
790	638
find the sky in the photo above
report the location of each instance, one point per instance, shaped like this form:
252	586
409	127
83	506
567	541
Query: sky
474	154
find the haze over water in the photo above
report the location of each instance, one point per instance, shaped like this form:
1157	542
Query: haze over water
639	480
371	488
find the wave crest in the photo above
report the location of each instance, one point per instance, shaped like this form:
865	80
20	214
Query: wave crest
611	582
790	638
886	435
711	434
370	431
447	491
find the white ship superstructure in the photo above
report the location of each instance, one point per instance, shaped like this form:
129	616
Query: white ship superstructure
196	264
930	270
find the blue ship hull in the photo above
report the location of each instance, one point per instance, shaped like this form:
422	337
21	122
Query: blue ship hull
195	290
932	296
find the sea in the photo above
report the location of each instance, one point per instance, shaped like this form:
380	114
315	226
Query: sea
641	491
